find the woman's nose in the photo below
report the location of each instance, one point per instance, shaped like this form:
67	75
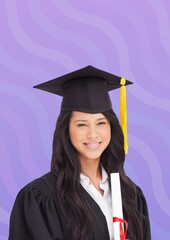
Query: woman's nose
92	133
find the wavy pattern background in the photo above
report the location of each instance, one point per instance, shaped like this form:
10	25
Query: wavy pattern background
40	40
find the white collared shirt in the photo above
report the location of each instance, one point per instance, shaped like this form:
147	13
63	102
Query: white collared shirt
104	201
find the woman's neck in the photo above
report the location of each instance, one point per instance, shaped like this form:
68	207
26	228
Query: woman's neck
91	168
93	172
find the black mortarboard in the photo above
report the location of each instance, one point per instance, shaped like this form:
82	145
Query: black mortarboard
85	90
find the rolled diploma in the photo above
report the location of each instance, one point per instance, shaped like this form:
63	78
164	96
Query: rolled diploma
116	203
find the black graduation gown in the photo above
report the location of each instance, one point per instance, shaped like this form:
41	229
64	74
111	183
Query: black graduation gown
37	216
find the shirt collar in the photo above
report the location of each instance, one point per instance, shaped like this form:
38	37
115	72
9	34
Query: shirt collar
104	175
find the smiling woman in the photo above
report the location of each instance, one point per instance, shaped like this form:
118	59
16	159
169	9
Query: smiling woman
73	201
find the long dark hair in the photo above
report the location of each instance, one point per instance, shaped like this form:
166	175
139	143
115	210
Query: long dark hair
66	166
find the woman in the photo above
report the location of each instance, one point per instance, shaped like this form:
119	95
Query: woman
73	201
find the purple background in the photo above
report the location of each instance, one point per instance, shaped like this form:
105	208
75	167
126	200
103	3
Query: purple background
40	40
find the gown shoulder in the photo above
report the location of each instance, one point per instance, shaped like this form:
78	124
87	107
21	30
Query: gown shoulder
34	214
143	211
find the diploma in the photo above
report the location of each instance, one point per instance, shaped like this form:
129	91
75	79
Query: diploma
117	211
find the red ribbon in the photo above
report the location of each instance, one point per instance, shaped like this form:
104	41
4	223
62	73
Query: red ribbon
122	231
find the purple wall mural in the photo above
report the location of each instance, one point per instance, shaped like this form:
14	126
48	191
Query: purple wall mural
44	39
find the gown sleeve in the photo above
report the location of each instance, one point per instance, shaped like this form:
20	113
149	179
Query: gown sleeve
34	215
143	210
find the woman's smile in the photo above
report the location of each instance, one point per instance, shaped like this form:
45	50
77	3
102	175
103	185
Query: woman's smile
93	145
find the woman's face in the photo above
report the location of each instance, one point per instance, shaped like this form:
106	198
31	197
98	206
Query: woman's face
90	134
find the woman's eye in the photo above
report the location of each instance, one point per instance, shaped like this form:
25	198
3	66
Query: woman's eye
81	125
101	123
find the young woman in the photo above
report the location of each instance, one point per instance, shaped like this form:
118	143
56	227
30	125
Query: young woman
73	201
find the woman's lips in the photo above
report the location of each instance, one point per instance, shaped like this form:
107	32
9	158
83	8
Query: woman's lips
92	145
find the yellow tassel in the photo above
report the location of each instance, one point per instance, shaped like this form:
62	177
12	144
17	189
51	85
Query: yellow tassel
123	113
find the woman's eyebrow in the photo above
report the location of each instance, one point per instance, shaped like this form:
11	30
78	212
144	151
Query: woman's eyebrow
101	119
80	120
83	120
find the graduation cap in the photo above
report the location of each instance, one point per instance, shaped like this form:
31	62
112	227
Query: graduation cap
86	90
